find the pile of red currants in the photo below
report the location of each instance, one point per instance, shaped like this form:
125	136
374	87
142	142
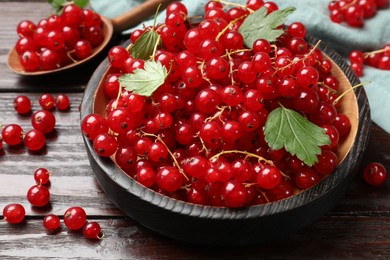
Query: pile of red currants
58	40
353	12
200	136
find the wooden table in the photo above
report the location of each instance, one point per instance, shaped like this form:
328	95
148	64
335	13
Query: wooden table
358	227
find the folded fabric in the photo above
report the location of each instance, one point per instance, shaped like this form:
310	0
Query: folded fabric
315	15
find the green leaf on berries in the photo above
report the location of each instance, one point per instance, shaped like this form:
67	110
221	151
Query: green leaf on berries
145	81
81	3
57	5
144	46
259	25
289	129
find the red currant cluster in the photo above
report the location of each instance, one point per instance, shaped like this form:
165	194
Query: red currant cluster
353	12
43	121
378	59
199	137
58	40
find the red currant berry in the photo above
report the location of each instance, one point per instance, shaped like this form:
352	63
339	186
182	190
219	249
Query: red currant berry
375	173
41	176
105	145
43	121
14	213
46	101
51	222
75	218
38	195
34	140
12	134
92	230
93	125
22	104
62	102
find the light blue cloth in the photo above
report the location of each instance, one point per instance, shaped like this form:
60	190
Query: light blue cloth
315	15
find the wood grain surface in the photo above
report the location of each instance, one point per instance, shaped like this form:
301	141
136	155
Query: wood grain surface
357	227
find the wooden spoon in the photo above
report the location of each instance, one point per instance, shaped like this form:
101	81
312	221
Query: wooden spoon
110	26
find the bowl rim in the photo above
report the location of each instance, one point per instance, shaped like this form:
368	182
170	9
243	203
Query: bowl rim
344	169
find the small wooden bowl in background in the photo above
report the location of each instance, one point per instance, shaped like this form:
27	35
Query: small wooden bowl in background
219	226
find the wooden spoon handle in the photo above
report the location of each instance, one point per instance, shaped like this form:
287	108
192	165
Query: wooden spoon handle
137	14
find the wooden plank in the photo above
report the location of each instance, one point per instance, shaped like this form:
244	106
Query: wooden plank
330	238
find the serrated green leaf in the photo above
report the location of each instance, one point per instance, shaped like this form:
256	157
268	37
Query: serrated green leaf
144	47
145	81
289	129
260	25
81	3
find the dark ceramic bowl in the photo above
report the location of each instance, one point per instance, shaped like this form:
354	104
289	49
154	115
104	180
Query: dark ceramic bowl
220	226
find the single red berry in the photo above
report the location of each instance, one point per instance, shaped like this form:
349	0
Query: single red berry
92	230
38	195
93	125
51	222
34	140
14	213
12	134
62	102
75	218
43	121
41	176
375	173
22	104
46	101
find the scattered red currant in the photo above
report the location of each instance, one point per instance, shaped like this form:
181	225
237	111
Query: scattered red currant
375	173
38	195
22	104
41	176
62	102
14	213
51	222
92	230
75	218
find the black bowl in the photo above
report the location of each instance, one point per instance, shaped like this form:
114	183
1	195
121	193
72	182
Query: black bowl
218	226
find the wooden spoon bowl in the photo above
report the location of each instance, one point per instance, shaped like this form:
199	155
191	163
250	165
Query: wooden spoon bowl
219	226
110	26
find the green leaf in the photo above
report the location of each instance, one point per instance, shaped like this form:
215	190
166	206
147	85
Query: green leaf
289	129
145	45
145	81
260	25
81	3
57	5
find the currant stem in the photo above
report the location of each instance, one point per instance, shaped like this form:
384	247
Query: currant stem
155	48
329	88
230	67
100	236
260	158
234	52
221	109
234	4
170	153
228	26
367	54
345	92
69	54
